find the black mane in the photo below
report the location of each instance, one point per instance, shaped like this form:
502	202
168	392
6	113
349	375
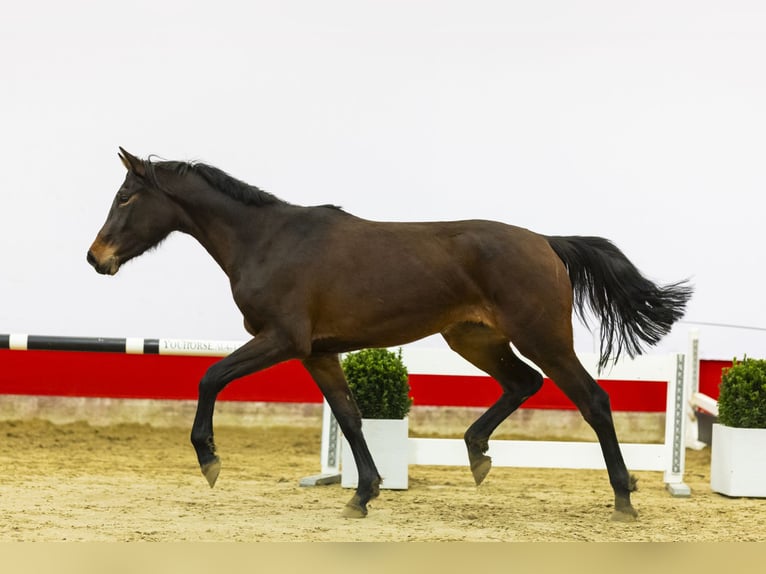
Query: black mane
233	187
222	182
218	180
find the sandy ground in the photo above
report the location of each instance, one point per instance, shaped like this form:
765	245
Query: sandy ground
130	482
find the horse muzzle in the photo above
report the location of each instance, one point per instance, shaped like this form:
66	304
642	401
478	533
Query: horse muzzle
103	259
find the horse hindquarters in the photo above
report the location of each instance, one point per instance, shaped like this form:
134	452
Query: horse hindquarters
633	312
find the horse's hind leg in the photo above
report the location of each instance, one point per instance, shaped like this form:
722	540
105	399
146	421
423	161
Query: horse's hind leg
571	377
491	352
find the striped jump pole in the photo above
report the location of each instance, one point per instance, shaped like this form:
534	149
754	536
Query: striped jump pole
127	345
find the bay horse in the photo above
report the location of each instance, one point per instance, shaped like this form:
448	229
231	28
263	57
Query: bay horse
314	282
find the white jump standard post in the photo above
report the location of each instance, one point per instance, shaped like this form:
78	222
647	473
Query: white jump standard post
330	452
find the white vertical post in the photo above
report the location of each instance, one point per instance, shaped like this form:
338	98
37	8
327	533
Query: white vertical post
330	441
675	430
329	451
692	388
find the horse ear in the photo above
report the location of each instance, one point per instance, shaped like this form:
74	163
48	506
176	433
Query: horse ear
132	163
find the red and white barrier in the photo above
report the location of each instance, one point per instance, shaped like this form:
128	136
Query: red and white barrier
679	374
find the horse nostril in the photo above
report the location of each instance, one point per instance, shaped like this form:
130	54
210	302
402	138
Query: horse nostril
91	258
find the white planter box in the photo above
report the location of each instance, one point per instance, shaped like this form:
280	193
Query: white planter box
738	461
387	440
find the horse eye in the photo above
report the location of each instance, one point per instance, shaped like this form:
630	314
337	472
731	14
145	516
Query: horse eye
123	198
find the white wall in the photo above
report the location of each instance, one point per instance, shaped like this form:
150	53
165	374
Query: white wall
641	122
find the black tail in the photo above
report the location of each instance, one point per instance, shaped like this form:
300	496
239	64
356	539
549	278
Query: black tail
633	311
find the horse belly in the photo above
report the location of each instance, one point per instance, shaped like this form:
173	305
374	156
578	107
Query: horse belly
390	319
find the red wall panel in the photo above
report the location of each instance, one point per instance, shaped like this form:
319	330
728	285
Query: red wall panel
115	375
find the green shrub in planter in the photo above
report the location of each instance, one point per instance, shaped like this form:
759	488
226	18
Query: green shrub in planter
742	397
379	381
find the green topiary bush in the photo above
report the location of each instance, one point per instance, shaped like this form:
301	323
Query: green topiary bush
742	397
379	381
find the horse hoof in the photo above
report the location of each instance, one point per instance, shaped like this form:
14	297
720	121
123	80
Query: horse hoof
354	508
351	511
211	471
628	515
480	468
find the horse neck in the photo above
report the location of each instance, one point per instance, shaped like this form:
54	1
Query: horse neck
216	221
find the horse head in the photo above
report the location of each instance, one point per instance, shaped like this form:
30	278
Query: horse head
141	216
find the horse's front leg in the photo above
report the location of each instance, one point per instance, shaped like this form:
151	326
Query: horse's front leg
328	374
259	353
